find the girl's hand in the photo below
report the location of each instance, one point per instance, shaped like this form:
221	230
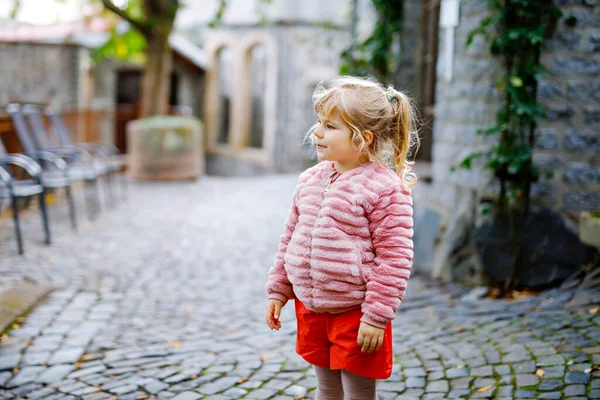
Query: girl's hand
273	312
370	337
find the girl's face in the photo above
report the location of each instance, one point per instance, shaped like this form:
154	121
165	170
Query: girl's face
333	139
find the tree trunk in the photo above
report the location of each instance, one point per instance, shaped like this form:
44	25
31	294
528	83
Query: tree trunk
156	79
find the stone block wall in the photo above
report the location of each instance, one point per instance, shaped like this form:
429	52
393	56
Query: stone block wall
463	105
29	71
568	140
410	46
307	55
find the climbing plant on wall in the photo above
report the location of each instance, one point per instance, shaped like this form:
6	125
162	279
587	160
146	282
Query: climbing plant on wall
376	55
516	31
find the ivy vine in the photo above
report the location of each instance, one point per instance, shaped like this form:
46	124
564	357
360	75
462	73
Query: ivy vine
377	55
516	31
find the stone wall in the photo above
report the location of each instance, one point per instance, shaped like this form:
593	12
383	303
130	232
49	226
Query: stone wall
569	139
30	71
409	73
307	55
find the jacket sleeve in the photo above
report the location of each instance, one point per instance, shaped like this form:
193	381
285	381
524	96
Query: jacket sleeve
391	227
278	285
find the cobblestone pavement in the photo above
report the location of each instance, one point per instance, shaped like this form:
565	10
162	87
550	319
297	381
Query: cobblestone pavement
163	297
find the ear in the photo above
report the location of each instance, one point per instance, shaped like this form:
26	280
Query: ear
368	137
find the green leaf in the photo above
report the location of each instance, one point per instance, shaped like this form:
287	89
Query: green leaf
516	81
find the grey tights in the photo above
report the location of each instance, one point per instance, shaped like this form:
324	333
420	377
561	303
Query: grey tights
334	384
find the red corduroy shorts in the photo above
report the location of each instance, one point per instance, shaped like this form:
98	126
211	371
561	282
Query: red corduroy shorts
330	341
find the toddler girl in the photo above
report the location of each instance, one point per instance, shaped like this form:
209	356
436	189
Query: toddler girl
346	251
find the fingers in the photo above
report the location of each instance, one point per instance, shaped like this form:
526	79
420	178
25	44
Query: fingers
361	338
277	311
272	316
379	342
366	344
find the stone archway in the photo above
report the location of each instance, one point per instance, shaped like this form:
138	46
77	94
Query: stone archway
239	135
213	105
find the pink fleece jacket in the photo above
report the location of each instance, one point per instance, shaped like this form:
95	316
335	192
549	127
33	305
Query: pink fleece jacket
348	246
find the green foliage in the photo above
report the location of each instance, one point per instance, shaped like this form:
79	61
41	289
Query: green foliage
375	55
129	45
516	30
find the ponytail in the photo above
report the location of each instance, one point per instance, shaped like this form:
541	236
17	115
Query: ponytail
403	135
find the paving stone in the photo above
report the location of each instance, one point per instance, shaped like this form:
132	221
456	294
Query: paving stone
262	393
461	383
525	394
296	391
154	386
550	395
554	372
551	384
390	386
4	377
457	373
574	390
219	385
411	372
525	380
187	396
505	391
551	360
24	390
458	393
42	393
577	377
234	393
25	375
36	358
482	371
415	382
9	361
54	373
67	356
524	368
437	386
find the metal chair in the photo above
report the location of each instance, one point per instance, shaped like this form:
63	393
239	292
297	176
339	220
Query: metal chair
54	176
33	145
108	154
14	190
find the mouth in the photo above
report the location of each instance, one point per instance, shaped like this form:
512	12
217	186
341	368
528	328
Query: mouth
320	146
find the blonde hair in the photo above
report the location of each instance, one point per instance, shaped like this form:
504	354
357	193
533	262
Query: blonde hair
365	104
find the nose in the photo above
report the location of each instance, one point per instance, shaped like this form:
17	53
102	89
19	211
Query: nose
317	132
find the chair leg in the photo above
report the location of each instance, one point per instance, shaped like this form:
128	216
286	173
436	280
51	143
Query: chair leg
125	185
97	202
72	212
109	189
89	201
44	211
15	208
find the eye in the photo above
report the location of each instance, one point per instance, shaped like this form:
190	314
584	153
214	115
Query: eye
329	126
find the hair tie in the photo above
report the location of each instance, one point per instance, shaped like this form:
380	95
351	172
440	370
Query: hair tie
391	96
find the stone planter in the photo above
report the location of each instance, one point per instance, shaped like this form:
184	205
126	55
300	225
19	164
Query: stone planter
589	229
165	148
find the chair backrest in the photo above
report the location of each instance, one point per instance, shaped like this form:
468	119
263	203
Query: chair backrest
36	121
23	132
2	149
59	128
